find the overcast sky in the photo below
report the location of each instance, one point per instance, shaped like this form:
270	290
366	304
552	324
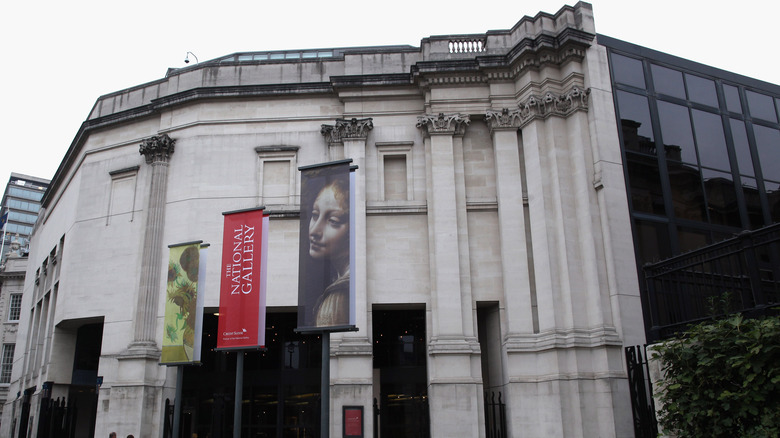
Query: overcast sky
58	57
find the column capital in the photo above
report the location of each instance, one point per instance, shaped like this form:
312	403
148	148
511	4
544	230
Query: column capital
157	148
347	129
506	119
451	124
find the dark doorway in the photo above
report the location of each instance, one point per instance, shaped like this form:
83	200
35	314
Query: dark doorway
281	385
82	394
400	356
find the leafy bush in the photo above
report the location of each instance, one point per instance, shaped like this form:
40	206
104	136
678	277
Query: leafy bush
722	379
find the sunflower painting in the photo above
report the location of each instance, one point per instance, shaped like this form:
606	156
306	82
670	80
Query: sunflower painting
181	304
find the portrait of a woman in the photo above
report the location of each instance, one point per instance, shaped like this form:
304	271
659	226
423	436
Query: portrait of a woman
325	248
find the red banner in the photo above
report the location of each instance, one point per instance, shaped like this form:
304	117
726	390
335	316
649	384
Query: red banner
242	289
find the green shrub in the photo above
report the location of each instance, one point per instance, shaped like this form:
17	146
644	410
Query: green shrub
722	379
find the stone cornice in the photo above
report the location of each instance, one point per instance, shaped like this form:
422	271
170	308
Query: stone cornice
347	129
539	107
443	124
157	148
529	53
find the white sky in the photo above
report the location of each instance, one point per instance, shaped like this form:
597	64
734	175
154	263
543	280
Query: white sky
59	56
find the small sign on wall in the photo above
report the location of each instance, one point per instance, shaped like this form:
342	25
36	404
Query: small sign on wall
353	421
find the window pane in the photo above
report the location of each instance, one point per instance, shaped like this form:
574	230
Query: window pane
701	90
768	146
628	71
644	179
773	196
732	98
646	193
752	202
711	141
15	307
668	81
721	198
687	193
761	106
653	241
676	132
7	362
741	147
635	120
690	239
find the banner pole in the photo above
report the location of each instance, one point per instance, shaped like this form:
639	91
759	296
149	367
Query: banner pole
177	400
239	394
325	387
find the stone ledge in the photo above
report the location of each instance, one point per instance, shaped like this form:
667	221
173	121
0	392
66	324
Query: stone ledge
455	345
575	338
565	377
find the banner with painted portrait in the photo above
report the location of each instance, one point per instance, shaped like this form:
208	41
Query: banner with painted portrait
326	294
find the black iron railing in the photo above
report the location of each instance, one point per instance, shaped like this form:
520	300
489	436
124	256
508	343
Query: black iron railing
495	415
641	390
741	274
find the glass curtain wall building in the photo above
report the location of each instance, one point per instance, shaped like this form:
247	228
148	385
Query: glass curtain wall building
701	150
21	200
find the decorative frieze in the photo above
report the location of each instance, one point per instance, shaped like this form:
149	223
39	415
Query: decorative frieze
452	124
550	104
157	148
347	128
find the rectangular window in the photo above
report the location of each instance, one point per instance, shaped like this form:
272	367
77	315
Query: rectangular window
7	363
15	307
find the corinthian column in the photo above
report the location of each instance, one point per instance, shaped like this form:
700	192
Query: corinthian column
518	294
351	352
454	386
157	151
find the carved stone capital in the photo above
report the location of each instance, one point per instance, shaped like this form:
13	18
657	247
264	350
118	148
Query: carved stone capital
157	148
504	119
552	104
347	129
452	124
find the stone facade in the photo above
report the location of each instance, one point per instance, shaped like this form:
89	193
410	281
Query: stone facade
489	173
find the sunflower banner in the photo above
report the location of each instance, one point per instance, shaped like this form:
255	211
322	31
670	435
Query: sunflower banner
182	326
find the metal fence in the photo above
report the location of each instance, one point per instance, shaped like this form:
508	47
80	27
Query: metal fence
57	419
495	416
741	274
641	390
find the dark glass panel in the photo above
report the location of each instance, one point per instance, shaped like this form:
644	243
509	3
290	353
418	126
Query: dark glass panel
741	147
653	240
668	81
773	196
635	119
689	239
687	193
710	140
646	193
752	202
732	98
701	90
676	132
722	203
768	146
761	106
628	71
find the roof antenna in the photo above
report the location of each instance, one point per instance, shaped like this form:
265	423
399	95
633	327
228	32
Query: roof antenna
187	58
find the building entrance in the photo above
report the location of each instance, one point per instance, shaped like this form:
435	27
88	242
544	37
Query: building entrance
400	359
281	385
